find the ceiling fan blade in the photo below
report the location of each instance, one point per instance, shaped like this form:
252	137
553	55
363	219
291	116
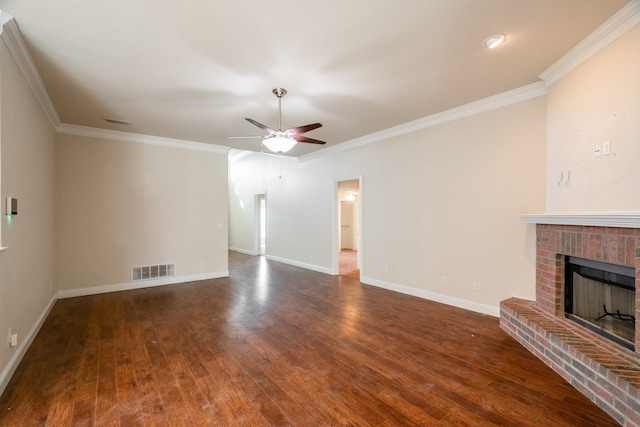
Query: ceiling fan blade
301	138
260	125
305	128
245	137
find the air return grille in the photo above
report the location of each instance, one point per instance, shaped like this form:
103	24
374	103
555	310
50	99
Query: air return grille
147	272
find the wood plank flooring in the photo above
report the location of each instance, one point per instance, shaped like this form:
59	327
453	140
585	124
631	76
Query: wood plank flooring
279	345
348	263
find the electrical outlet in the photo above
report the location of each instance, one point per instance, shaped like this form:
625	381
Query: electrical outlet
476	286
597	152
445	280
606	148
385	268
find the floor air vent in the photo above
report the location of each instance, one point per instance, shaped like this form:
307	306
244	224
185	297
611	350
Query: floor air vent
153	271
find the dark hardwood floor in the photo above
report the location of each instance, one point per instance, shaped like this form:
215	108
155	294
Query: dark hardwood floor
348	263
279	345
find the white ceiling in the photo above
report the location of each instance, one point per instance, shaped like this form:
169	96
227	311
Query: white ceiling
193	70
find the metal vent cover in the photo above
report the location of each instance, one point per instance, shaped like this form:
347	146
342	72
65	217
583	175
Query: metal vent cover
146	272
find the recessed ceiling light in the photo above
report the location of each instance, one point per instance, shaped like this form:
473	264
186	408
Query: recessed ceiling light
117	121
494	40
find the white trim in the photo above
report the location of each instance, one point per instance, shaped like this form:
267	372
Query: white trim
4	18
243	251
234	157
361	224
236	154
3	248
617	25
20	351
596	219
335	226
18	49
116	135
514	96
312	267
625	19
432	296
103	289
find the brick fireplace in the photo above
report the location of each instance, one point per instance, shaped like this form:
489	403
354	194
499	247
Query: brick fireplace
602	370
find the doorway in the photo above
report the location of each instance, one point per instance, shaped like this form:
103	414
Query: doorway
260	244
349	213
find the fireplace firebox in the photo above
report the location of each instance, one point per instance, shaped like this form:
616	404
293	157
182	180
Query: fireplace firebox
601	297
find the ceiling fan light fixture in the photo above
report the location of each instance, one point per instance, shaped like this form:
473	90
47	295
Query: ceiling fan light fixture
279	141
279	144
494	40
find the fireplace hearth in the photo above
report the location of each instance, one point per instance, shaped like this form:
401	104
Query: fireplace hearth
601	254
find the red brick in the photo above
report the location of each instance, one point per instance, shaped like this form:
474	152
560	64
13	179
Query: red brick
611	367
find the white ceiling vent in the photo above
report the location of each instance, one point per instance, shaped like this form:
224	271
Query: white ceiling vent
117	121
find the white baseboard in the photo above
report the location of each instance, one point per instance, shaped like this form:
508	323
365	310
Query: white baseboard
432	296
420	293
20	351
139	284
313	267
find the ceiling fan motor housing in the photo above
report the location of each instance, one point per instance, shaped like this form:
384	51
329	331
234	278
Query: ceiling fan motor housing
279	92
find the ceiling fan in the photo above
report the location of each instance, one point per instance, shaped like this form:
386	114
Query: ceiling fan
281	141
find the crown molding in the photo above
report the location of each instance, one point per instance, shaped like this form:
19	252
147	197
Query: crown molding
15	43
116	135
614	27
236	155
594	219
514	96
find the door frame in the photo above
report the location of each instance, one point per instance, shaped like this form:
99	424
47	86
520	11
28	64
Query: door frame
257	225
336	224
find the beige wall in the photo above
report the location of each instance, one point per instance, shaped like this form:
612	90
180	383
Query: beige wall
444	201
27	165
122	204
596	102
